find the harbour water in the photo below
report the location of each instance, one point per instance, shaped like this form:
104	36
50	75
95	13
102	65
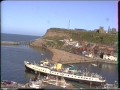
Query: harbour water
12	62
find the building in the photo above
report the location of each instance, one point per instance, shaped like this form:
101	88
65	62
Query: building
109	57
112	30
80	30
100	30
90	55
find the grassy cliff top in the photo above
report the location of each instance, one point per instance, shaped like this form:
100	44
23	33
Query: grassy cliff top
89	36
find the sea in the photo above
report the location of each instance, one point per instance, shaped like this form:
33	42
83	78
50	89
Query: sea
13	57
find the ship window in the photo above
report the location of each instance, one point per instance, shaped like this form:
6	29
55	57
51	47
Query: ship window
68	75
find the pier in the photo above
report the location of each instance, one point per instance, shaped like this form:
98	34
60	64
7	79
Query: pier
17	43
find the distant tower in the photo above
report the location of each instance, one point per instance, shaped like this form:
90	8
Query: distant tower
107	20
69	24
108	29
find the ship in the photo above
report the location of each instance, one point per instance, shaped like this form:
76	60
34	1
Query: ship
57	69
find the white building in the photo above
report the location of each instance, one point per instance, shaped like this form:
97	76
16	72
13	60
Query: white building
111	58
89	55
61	40
71	42
77	44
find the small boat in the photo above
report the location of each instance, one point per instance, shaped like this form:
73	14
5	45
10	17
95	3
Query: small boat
52	80
111	86
95	65
35	84
10	84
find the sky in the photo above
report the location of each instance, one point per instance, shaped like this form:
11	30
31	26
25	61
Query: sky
35	17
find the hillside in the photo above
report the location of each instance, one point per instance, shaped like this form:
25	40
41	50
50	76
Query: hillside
67	54
94	37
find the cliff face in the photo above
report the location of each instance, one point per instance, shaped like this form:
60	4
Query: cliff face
57	32
54	34
37	43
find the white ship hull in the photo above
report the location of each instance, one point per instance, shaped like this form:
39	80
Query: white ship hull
46	71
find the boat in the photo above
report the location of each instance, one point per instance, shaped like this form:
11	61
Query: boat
111	86
35	83
45	68
52	80
95	65
10	84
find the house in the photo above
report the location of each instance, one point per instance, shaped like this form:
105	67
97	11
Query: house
100	30
84	52
77	45
71	42
61	40
109	57
90	55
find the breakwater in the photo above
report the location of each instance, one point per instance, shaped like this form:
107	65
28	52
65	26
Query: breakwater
9	43
16	43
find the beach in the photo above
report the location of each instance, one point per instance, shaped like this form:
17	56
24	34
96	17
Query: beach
66	57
